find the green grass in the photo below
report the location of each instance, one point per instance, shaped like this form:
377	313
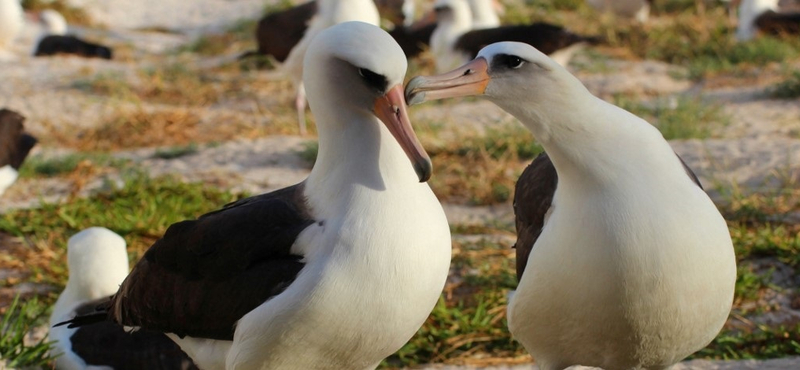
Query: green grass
140	212
38	166
17	322
240	36
760	342
680	117
788	89
176	151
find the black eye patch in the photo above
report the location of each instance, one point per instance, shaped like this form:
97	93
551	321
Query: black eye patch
507	61
374	80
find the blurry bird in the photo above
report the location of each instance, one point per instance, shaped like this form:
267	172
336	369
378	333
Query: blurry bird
278	32
98	263
484	14
624	261
14	147
56	41
765	16
329	13
453	43
11	22
636	9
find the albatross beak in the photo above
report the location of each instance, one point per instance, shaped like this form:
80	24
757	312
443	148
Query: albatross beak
391	109
470	79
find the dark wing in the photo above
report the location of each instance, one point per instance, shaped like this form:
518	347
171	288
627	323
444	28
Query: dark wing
56	44
774	23
205	274
279	32
690	172
14	144
533	197
545	37
413	40
108	344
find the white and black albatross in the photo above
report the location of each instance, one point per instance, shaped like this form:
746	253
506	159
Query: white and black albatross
56	40
98	263
15	145
455	41
633	267
765	16
337	272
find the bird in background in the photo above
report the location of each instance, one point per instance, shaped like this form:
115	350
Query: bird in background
56	40
15	145
329	13
98	263
455	41
765	16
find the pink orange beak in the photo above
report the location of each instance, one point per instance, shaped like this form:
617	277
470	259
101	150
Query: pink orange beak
391	110
470	79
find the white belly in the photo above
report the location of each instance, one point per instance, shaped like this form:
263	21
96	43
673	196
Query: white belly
631	289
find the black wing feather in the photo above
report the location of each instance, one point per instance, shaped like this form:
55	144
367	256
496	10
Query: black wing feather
545	37
198	279
533	197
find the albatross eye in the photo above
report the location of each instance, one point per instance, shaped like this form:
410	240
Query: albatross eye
374	80
514	61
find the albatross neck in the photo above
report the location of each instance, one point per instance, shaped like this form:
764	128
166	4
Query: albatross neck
591	141
357	154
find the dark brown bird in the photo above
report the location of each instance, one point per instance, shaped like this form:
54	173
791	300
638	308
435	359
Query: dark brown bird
454	42
278	32
57	44
14	146
765	16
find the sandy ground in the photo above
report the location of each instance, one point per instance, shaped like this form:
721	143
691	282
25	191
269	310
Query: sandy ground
760	148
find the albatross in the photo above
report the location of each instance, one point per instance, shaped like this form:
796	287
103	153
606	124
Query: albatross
98	263
15	145
55	39
765	16
329	13
337	272
626	262
455	41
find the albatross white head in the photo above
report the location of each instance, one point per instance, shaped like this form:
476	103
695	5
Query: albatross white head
53	22
353	73
518	78
98	263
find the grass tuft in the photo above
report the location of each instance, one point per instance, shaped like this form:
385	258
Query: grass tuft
788	89
680	117
38	166
17	322
140	211
176	151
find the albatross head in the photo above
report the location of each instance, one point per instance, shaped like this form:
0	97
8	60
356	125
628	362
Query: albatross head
53	22
353	73
98	263
515	76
